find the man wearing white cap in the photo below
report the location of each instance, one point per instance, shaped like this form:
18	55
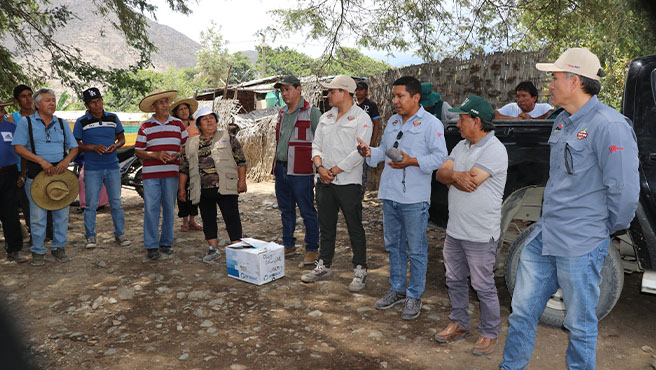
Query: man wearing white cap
159	144
339	166
592	193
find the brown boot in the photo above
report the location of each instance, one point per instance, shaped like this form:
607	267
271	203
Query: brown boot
484	346
309	259
290	252
452	333
16	256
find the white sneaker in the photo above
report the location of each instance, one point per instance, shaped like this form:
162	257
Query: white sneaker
359	279
319	272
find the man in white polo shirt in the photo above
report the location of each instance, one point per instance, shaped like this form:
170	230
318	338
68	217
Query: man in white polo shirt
339	166
475	173
526	104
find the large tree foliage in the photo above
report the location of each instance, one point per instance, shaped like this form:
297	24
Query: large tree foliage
283	60
186	80
615	30
214	61
31	24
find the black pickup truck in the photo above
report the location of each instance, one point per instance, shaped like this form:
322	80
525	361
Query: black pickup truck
528	171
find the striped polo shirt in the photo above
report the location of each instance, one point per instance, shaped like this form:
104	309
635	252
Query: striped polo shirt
153	136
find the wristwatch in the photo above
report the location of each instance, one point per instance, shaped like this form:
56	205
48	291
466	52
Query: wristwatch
320	166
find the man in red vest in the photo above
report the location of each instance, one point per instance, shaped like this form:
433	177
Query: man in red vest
293	168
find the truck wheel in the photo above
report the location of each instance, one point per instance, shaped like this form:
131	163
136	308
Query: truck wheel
612	280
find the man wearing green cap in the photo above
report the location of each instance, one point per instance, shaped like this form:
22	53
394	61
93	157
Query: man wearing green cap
433	103
475	173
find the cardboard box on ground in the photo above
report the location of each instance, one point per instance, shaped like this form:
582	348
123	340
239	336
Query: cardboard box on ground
255	261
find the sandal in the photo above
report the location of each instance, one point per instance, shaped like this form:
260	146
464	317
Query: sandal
195	226
184	227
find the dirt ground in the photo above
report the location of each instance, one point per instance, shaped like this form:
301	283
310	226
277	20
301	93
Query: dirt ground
111	308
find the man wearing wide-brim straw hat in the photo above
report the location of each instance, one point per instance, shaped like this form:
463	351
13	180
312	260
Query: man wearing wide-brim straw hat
159	145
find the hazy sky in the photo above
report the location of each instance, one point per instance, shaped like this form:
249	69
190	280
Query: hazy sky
241	19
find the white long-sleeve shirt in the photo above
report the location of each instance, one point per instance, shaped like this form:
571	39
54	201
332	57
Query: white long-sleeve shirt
335	141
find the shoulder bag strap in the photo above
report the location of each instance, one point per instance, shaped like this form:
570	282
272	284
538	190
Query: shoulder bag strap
61	125
29	129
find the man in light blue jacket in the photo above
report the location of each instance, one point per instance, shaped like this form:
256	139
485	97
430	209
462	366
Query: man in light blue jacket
413	147
592	192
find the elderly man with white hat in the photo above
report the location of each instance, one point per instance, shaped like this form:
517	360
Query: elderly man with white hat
159	145
339	166
48	145
592	192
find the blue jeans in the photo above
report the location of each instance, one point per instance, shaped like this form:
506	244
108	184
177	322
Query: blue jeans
290	191
159	193
93	181
38	217
404	229
538	278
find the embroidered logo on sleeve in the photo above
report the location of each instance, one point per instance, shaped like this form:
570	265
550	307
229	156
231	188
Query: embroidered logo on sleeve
582	134
330	115
614	148
439	134
558	128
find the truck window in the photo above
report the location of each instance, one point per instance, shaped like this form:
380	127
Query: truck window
645	103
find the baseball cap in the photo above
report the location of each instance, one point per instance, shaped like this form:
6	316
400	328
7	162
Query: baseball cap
90	94
579	61
361	85
341	82
475	106
288	80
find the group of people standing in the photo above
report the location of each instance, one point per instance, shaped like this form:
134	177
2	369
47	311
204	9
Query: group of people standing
592	190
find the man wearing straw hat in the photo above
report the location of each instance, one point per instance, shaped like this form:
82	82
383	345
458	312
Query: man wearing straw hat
48	145
99	134
9	190
159	144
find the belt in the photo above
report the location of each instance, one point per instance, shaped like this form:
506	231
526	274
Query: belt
284	163
9	168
